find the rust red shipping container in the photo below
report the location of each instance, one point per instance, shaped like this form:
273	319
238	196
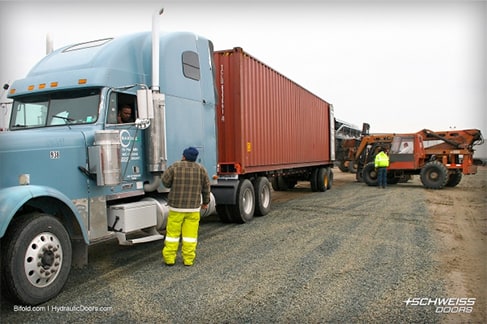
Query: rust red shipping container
266	121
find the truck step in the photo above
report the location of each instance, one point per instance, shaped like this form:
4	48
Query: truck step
154	236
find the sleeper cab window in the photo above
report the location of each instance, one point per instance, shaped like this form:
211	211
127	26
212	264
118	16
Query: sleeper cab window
191	65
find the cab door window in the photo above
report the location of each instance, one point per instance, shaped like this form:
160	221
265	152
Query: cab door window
122	108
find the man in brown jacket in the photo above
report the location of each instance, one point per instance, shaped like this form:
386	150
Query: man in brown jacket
190	191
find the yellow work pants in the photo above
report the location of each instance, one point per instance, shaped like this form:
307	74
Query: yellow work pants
185	224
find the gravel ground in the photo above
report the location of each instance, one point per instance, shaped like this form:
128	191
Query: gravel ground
351	254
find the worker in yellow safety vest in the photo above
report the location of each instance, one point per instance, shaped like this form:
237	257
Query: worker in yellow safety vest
381	164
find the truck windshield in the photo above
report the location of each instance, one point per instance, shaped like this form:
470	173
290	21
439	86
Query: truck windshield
60	108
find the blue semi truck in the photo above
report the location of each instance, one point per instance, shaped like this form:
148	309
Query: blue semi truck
72	175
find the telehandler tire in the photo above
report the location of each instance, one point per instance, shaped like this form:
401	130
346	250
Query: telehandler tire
454	179
369	174
434	175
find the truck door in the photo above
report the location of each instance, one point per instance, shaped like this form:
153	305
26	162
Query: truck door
121	116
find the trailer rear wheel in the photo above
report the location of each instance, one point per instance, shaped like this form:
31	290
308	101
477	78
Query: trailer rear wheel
36	258
322	179
369	174
330	178
434	175
262	189
314	179
243	210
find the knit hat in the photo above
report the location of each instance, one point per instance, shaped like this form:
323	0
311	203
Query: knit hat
190	154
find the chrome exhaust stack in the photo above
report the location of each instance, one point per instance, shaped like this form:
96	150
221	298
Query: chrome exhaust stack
156	134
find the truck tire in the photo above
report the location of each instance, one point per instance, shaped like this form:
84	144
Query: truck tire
36	258
330	179
262	189
454	179
434	175
369	174
314	180
243	210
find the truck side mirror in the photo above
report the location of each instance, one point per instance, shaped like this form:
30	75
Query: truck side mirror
145	106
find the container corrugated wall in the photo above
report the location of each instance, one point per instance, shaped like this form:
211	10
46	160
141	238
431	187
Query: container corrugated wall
265	121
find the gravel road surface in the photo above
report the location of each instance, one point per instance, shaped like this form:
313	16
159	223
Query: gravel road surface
351	254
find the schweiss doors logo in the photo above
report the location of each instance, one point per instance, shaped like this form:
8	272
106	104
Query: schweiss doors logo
448	305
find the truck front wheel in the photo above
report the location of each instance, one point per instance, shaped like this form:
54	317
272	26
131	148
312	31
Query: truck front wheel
36	258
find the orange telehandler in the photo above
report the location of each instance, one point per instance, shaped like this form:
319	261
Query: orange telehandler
439	158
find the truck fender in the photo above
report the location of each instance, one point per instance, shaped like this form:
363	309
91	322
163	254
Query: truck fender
13	198
225	191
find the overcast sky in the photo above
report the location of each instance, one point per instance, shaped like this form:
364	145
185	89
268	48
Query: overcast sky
399	65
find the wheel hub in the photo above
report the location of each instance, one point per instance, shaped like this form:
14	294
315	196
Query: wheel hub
434	176
47	259
248	201
43	259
